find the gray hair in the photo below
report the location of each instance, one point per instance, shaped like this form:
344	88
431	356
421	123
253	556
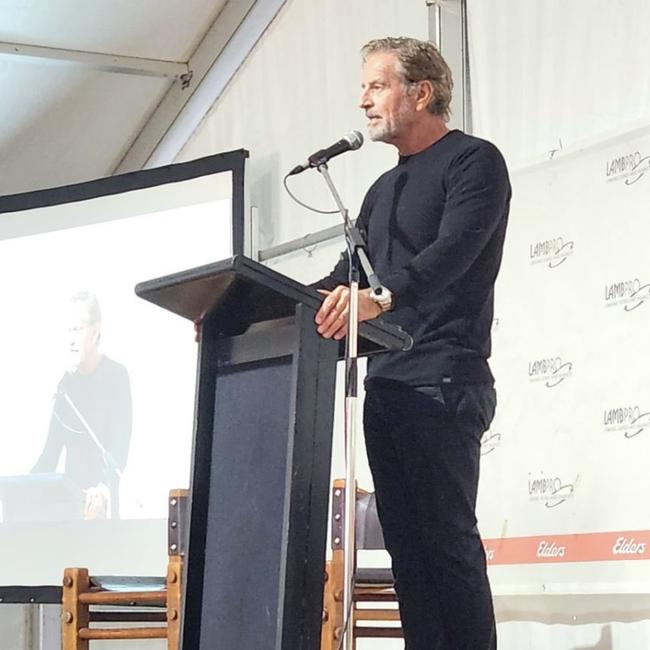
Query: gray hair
90	301
418	61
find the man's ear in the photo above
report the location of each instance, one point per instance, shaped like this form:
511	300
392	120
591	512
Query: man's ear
424	94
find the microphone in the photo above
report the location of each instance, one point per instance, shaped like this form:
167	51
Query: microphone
349	142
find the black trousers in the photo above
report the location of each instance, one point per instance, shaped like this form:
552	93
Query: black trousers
424	448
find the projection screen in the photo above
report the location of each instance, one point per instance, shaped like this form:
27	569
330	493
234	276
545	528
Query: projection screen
97	385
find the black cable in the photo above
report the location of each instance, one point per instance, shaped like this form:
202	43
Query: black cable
299	202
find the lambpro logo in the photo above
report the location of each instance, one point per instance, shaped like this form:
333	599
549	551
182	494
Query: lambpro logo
552	371
629	294
551	252
631	421
629	167
552	491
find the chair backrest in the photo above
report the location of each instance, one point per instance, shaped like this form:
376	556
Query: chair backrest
367	526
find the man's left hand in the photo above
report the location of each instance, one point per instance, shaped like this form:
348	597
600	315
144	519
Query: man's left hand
332	317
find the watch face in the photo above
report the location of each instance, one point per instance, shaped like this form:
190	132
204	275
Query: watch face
384	300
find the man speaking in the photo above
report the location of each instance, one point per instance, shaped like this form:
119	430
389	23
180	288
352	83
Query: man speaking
91	417
435	225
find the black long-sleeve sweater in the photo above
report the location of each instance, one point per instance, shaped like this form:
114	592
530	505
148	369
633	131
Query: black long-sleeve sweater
103	398
435	226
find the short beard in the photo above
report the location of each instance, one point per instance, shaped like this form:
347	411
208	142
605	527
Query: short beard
387	131
380	133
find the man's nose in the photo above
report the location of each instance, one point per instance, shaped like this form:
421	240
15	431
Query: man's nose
364	100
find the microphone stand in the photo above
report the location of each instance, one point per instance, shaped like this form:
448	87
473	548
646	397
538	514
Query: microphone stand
109	460
114	473
357	256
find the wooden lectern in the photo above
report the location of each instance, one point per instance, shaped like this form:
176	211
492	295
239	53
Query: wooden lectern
261	461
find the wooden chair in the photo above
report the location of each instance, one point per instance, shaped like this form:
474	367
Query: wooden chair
83	593
372	615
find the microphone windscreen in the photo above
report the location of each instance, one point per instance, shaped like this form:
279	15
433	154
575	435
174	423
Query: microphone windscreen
355	139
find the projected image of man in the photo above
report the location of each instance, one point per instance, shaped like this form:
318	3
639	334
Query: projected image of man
92	416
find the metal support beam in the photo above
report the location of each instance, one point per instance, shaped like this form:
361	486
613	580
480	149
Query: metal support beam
97	61
302	243
215	62
435	27
448	30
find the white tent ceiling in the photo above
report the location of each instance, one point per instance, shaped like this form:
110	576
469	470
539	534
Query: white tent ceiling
81	80
90	89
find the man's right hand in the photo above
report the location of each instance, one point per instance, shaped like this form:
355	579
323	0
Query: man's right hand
332	317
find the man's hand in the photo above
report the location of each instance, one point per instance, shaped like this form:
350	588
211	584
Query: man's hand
332	317
198	326
97	501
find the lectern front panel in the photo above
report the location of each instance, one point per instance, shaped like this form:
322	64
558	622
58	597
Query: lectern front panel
260	488
245	530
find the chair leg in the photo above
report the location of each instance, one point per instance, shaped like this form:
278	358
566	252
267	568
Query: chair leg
174	591
327	629
74	614
337	586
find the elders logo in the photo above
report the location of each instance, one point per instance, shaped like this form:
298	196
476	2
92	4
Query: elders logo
629	293
552	371
631	420
624	546
490	442
551	252
489	553
553	491
550	549
630	167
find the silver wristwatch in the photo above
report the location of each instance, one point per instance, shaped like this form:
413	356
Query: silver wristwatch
384	298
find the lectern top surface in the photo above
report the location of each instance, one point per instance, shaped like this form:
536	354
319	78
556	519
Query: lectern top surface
250	292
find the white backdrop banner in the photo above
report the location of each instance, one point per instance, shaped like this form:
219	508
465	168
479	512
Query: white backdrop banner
565	465
564	471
